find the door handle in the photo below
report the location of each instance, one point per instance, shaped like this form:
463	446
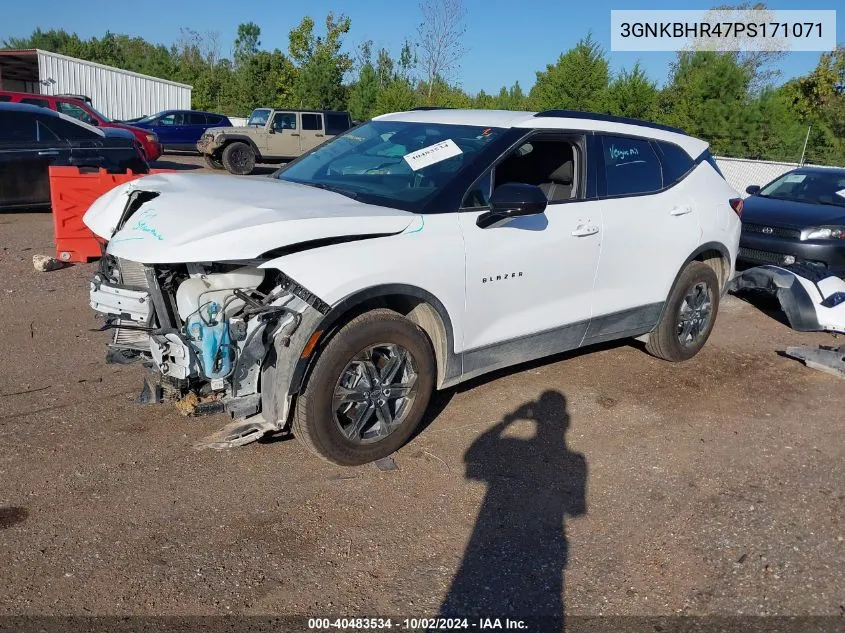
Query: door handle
680	211
294	133
584	231
319	135
48	153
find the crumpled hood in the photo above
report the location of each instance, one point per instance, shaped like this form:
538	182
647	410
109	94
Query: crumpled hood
199	218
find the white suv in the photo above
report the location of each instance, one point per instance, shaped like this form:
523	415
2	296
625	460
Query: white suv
408	254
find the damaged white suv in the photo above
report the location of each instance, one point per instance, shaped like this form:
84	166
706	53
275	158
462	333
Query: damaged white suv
409	254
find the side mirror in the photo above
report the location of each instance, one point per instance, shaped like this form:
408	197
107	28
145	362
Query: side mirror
752	190
271	130
513	200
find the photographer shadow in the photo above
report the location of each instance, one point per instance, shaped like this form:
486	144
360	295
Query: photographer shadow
514	563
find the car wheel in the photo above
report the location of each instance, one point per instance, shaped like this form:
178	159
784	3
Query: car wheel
214	163
238	159
689	315
368	391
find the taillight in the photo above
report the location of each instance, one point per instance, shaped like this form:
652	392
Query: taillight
736	205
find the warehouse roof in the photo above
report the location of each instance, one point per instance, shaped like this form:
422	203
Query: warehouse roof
19	64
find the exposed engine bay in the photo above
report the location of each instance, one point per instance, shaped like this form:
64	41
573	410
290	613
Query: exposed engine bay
207	333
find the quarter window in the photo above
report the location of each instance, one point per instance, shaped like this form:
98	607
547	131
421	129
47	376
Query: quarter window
676	162
630	166
336	123
312	122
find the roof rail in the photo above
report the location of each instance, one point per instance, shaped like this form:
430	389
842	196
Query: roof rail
432	108
576	114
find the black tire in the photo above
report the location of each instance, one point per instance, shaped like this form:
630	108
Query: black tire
315	421
211	161
665	340
238	158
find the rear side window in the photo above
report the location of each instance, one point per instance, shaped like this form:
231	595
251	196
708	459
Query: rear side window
64	129
630	166
18	127
195	118
312	121
41	103
336	123
5	98
676	162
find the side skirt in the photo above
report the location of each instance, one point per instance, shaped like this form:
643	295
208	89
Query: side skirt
619	325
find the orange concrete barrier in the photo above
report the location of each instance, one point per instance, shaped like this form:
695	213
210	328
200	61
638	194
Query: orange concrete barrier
71	193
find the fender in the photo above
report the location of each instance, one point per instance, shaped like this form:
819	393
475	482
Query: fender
707	246
452	361
229	138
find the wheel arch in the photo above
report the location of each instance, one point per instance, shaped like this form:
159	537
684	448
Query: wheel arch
416	304
716	255
229	139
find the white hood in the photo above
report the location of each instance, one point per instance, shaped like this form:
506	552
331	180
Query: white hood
199	218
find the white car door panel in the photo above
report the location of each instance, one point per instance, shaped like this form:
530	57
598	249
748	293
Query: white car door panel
532	274
647	238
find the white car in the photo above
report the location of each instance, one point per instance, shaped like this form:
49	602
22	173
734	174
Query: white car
408	254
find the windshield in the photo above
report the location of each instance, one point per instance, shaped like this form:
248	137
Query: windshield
259	117
394	163
811	187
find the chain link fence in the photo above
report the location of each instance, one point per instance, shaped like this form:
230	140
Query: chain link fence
741	172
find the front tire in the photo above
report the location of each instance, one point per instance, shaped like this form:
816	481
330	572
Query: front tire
213	162
238	159
368	391
689	315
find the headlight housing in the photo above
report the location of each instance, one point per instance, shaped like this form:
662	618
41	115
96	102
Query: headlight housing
824	233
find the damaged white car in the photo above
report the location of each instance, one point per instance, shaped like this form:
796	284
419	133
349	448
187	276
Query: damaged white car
409	254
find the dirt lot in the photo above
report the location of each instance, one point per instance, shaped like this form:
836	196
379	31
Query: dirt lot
713	486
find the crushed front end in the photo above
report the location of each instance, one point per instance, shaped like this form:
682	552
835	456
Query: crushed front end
209	335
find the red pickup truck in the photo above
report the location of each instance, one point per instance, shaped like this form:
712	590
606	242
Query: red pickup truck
78	109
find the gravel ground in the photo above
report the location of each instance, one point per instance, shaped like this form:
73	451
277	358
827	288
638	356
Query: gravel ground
602	482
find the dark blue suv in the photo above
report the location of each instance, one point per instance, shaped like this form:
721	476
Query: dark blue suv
181	129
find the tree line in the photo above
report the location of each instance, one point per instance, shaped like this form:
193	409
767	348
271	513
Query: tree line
730	99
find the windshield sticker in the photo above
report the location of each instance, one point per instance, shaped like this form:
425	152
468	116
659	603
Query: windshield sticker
432	154
795	178
841	193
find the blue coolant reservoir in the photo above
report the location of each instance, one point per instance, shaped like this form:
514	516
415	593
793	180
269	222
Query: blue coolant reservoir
208	330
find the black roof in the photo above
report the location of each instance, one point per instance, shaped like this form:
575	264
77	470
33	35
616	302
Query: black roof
576	114
840	171
26	107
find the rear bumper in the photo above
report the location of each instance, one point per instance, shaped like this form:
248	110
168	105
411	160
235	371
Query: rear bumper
756	249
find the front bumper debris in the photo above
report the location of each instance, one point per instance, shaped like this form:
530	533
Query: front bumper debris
119	301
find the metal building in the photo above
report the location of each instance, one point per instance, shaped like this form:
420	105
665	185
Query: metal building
118	94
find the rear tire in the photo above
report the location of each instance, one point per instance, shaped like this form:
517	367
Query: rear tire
688	316
211	161
238	159
368	391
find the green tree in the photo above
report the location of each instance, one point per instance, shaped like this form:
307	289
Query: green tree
247	42
708	97
576	82
321	63
632	94
363	95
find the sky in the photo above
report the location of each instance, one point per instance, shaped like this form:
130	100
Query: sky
506	41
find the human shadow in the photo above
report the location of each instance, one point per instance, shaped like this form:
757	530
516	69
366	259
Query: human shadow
513	565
